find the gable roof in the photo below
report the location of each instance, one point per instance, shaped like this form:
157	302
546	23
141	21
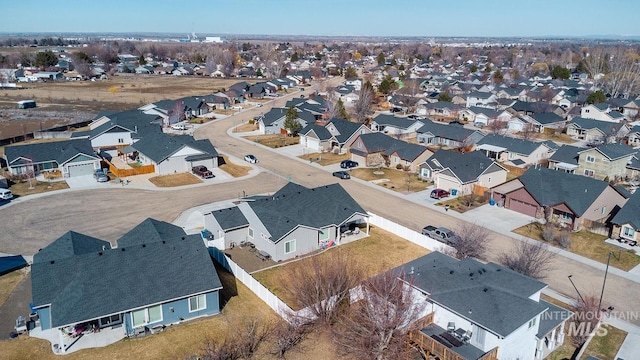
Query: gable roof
69	245
59	151
230	218
457	133
606	127
273	115
150	230
321	132
317	208
551	187
379	142
630	212
494	297
547	118
567	154
134	121
613	151
160	146
392	120
346	129
515	145
466	167
96	283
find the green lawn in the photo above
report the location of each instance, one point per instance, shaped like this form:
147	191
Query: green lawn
607	346
589	245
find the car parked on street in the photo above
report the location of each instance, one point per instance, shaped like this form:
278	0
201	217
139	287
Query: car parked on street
100	176
342	174
5	194
441	234
202	171
251	159
348	164
439	194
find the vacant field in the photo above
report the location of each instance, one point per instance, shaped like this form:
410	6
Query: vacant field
8	282
325	159
274	140
589	245
379	252
175	180
232	169
401	181
121	92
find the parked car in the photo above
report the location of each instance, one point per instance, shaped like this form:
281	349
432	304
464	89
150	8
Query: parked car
348	164
439	194
202	171
178	126
342	174
5	194
251	159
100	176
478	124
441	234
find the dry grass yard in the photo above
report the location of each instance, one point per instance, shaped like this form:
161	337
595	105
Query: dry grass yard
233	169
393	179
274	140
9	281
325	159
37	187
175	180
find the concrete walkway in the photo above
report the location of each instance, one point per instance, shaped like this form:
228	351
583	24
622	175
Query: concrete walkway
16	305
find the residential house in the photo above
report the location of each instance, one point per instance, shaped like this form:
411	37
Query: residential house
442	109
628	107
156	276
114	130
466	173
172	154
565	158
626	223
633	137
272	122
481	99
290	223
514	151
449	135
566	199
608	161
633	169
547	120
512	93
347	93
336	135
602	112
70	157
484	116
378	149
596	131
398	127
481	311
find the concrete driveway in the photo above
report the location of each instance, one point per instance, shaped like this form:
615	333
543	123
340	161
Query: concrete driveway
83	182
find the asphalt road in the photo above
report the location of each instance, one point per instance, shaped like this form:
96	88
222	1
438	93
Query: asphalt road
109	213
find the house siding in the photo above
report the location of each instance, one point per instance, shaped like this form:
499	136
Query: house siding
610	200
306	241
111	139
601	167
44	314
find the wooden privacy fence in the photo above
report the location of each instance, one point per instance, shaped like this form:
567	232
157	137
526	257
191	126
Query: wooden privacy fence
144	169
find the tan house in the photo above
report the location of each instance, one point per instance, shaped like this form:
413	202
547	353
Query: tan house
607	161
566	199
626	223
377	149
515	152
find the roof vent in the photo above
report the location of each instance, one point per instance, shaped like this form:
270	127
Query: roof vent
451	272
123	249
183	238
470	274
412	270
100	254
164	242
144	245
485	290
53	261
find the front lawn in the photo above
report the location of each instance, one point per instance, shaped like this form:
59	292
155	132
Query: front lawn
232	169
398	180
175	180
379	252
245	127
22	188
589	245
464	203
607	346
274	140
325	159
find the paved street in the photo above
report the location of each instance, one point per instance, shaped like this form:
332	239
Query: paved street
108	213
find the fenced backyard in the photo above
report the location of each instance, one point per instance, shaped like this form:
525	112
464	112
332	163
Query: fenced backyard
120	172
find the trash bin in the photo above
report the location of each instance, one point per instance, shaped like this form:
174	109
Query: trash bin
492	202
454	192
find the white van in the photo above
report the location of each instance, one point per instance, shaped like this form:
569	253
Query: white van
5	194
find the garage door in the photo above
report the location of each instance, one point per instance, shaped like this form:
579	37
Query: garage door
444	183
313	144
82	169
523	207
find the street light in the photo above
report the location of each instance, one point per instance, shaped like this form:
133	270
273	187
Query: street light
604	282
574	286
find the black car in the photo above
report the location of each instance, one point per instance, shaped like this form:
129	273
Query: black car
348	164
342	174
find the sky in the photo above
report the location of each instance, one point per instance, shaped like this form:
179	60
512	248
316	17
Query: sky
429	18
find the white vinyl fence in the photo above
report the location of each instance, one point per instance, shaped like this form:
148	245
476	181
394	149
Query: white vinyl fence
408	234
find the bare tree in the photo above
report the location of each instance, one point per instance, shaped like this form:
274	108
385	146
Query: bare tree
321	284
376	326
176	113
363	107
216	350
497	126
586	319
250	335
529	258
624	77
471	242
287	336
528	131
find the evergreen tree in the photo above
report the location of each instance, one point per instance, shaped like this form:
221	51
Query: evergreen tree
341	111
444	97
46	58
381	59
291	122
596	97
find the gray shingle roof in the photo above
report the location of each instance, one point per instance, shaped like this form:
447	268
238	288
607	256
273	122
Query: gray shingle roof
567	154
608	128
630	212
150	230
614	151
551	187
59	151
321	132
467	167
490	295
379	142
273	115
553	317
230	218
457	133
519	146
70	244
391	120
94	284
316	208
345	128
160	146
131	120
547	118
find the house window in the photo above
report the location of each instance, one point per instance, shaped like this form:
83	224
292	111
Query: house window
289	247
532	323
197	303
395	159
425	172
120	141
512	155
110	320
324	235
588	172
146	316
591	159
489	179
251	233
629	232
565	216
604	210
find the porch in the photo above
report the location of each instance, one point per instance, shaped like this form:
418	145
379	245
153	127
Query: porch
65	340
439	342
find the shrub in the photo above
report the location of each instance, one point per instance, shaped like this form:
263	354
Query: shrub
399	167
564	239
251	122
548	233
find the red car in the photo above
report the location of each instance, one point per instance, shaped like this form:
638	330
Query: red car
439	194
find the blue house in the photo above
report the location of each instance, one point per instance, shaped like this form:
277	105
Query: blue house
156	276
